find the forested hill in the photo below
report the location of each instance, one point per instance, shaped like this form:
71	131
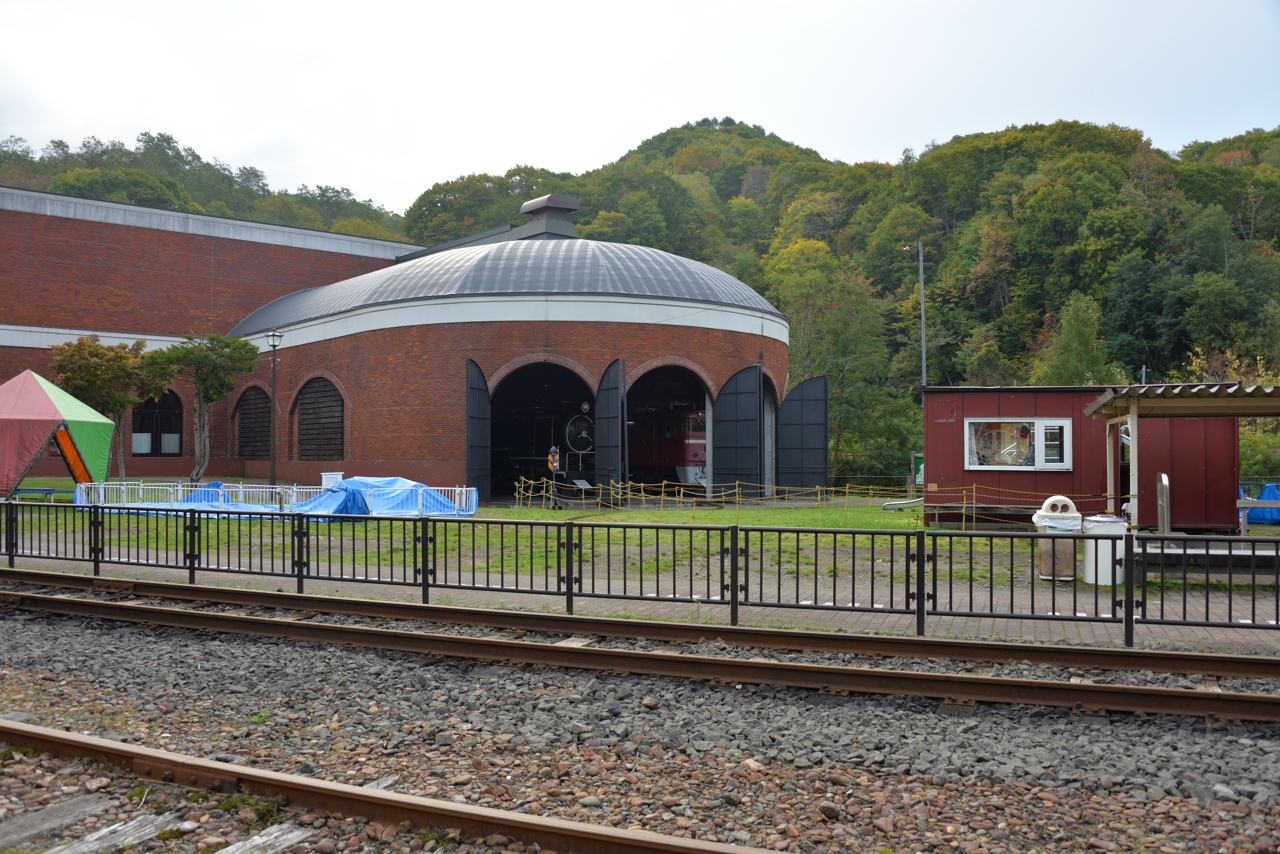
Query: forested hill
1057	254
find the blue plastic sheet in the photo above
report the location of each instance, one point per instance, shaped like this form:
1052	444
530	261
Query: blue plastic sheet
1265	515
379	496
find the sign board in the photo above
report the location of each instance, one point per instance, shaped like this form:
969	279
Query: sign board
330	478
917	468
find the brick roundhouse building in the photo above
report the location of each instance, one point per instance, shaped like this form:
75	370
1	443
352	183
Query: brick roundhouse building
454	365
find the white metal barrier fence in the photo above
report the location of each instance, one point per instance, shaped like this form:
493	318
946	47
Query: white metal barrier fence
282	498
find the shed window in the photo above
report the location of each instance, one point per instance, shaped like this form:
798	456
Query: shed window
1027	444
319	421
253	423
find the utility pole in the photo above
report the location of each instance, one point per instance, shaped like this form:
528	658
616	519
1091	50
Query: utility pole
924	372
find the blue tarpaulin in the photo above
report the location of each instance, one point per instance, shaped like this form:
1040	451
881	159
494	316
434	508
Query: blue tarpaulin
1265	515
379	496
354	496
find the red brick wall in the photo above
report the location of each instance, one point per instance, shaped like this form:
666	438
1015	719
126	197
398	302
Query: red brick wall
405	388
70	273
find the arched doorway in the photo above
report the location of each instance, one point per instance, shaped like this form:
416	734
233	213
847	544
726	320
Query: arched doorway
533	409
320	421
253	424
157	427
667	427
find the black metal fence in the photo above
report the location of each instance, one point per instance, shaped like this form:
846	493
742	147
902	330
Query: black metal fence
1129	579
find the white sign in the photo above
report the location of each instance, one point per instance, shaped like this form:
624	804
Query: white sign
330	478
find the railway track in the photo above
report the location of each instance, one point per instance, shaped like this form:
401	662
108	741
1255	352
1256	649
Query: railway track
224	779
99	599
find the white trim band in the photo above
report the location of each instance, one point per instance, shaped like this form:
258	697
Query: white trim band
531	308
92	210
44	337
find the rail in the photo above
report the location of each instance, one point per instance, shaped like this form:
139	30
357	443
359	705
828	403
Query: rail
919	576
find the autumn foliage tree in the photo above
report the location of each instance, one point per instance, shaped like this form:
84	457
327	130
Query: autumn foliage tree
110	378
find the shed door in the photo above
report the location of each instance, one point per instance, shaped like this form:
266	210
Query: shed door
477	431
737	440
609	426
802	435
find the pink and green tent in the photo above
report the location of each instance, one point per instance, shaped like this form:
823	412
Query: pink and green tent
35	412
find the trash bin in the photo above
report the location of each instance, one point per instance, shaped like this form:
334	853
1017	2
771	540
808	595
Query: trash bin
1100	555
1057	558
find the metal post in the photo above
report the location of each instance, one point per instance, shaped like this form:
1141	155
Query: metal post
192	540
273	338
301	548
95	538
568	574
733	575
1133	463
920	594
1111	467
11	530
426	539
924	373
1127	567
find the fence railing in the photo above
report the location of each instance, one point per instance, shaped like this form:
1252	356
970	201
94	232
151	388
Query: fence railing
285	499
923	575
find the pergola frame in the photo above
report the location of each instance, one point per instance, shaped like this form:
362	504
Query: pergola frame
1126	404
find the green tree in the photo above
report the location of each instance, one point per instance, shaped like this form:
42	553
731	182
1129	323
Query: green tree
1075	354
128	186
111	379
364	228
282	210
212	365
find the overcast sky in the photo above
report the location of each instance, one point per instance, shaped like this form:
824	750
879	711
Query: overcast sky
388	98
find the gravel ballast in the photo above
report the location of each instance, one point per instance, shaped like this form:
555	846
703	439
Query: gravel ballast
755	766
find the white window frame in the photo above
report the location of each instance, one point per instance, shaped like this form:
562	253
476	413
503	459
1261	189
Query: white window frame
1039	425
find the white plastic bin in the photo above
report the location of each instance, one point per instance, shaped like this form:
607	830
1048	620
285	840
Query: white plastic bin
1057	558
1100	556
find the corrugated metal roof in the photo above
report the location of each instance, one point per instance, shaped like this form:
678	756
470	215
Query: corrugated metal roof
1187	400
520	267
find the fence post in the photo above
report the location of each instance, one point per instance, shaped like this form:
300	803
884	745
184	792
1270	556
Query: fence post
921	597
733	575
1127	564
428	572
568	575
301	549
11	530
192	541
95	538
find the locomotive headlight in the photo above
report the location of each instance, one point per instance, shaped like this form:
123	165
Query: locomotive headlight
586	407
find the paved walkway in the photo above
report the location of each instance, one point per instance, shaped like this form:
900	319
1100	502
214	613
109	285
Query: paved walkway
1082	632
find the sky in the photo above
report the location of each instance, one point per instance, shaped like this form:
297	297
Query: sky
388	98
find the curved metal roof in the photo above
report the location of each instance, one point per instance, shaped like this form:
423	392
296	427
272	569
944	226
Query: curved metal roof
561	267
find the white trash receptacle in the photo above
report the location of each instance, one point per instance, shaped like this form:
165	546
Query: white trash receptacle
1057	558
1100	555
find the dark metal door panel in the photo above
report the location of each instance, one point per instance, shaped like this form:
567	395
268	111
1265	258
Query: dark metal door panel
478	431
609	423
737	439
802	435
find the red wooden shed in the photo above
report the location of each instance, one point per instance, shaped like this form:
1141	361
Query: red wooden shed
993	455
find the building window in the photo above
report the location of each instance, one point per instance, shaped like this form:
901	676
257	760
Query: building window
253	424
157	427
319	421
1026	444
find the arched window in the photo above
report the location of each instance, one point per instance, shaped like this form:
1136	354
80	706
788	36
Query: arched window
157	427
253	424
319	421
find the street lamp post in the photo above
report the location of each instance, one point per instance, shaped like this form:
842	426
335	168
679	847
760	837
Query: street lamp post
273	339
924	372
